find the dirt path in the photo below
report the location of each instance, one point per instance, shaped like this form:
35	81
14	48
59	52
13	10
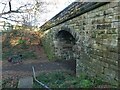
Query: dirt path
42	64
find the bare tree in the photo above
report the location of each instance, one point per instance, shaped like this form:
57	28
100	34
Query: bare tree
27	12
13	11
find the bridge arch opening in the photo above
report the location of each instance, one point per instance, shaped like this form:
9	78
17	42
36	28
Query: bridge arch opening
66	38
65	43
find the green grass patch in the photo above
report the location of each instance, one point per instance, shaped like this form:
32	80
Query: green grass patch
21	41
66	80
29	55
26	54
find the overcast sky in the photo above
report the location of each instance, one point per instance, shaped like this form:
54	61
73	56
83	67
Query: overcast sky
55	7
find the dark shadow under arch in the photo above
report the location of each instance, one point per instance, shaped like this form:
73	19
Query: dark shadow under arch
64	35
66	42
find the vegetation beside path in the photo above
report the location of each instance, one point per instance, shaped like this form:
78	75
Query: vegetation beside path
66	80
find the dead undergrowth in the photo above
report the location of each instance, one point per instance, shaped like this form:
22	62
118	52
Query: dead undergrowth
20	42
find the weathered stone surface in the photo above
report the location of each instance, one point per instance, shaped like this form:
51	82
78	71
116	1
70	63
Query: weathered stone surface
26	82
96	38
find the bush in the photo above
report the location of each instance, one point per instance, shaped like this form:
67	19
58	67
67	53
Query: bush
21	41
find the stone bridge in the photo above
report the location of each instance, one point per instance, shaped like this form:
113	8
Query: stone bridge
88	33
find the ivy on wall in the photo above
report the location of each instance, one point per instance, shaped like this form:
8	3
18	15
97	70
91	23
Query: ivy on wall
47	45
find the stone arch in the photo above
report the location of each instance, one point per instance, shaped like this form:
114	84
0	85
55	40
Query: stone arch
71	31
64	35
65	40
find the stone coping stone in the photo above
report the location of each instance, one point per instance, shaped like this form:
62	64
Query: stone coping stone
26	82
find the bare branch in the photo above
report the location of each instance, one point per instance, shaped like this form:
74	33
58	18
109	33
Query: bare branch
10	19
10	5
2	3
28	13
12	11
4	8
23	6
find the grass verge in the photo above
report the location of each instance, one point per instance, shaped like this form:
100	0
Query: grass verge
66	80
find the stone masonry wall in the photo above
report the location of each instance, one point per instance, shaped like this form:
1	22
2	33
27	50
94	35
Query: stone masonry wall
96	42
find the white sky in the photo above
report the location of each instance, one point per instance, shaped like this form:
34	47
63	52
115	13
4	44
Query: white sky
53	9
